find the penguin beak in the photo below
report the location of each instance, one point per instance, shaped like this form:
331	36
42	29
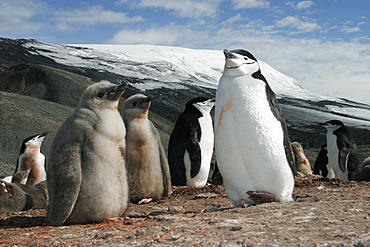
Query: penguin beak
148	99
121	87
43	134
228	54
117	92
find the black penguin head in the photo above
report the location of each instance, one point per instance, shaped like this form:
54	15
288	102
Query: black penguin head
239	62
201	104
136	106
101	95
32	141
332	125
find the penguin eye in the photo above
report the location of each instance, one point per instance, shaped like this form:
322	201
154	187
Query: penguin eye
245	58
101	95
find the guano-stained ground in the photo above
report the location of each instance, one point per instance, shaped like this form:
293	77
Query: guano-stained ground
325	212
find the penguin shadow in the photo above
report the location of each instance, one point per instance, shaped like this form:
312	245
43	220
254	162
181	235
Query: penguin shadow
23	222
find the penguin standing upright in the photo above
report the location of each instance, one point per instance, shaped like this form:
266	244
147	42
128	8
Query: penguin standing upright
191	144
321	162
30	157
147	166
251	140
86	172
342	150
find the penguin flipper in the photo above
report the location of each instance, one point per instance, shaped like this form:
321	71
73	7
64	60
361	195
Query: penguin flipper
64	182
343	159
165	170
194	151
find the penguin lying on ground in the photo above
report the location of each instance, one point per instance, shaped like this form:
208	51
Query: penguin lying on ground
191	142
342	150
252	144
86	174
17	196
147	166
363	173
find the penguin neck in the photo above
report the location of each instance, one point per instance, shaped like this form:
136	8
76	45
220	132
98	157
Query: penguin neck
32	151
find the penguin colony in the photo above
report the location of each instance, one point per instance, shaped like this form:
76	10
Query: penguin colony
102	159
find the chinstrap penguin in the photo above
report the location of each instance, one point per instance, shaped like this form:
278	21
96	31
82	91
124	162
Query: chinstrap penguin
191	143
342	150
86	174
147	166
321	162
301	160
251	140
30	157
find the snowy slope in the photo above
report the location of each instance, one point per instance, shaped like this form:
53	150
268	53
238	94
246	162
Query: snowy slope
175	68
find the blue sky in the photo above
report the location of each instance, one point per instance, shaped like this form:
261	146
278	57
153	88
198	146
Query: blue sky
324	44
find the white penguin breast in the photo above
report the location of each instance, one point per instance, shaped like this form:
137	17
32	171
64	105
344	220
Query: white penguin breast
333	161
206	144
249	141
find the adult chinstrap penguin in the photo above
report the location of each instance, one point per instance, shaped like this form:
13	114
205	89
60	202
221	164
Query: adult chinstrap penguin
191	144
30	157
342	150
251	140
147	166
86	172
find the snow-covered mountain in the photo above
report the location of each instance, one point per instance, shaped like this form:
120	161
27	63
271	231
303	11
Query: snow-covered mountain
174	75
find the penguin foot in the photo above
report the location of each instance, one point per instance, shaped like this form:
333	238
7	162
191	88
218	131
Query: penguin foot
261	196
243	204
145	201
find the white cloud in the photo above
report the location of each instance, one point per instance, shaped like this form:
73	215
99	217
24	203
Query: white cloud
19	15
185	8
250	4
70	20
167	35
304	4
294	22
346	29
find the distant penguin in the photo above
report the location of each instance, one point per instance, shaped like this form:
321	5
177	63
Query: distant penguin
342	150
86	174
147	166
30	157
251	140
191	142
321	162
302	162
363	174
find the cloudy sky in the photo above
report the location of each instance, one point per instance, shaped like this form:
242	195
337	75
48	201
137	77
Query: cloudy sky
324	44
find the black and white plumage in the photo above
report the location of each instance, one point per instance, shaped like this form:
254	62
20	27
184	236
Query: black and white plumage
191	144
321	162
342	150
252	145
30	157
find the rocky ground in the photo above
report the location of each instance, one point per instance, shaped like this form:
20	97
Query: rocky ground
325	212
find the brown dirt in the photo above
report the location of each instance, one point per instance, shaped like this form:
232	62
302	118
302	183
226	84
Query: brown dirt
325	212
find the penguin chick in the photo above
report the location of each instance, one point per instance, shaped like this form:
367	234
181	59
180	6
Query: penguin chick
302	162
191	142
251	137
147	166
86	174
30	157
13	198
21	177
342	150
363	173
